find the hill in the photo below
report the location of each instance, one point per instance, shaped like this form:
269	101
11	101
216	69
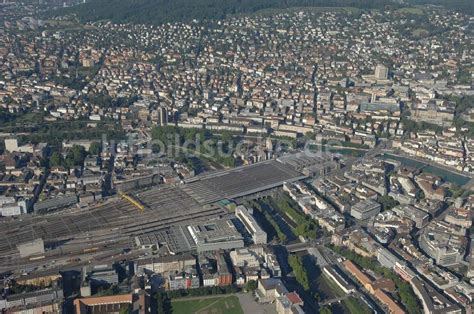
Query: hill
163	11
463	6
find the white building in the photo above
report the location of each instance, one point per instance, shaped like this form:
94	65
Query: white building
243	257
245	215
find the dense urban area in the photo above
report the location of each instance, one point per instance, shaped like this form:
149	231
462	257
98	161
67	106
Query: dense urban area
299	156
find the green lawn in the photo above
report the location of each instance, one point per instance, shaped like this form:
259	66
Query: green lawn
218	305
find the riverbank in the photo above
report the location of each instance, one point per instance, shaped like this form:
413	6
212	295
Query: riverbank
447	174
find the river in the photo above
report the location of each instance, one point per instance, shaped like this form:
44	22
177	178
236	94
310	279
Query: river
448	176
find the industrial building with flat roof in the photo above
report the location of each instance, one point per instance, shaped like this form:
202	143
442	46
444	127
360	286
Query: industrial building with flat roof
365	209
103	275
176	238
216	235
161	264
55	203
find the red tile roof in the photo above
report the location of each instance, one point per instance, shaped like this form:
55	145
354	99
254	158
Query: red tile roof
294	298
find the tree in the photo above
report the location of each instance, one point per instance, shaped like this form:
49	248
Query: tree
162	303
325	310
44	162
124	310
95	148
75	156
226	136
308	229
56	159
301	275
112	290
387	202
251	285
157	12
309	136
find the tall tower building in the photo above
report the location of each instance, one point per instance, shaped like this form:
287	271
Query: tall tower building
163	116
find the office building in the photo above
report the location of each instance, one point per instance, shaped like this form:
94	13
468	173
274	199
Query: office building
419	217
246	216
365	209
162	116
444	242
223	270
243	257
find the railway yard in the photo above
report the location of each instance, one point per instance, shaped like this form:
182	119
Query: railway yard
109	231
107	228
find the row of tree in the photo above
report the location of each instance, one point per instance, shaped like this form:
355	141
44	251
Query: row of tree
269	224
306	226
301	275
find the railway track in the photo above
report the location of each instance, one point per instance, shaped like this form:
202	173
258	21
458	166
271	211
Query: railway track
97	233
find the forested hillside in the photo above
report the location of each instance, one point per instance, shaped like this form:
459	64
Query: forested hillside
464	6
162	11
